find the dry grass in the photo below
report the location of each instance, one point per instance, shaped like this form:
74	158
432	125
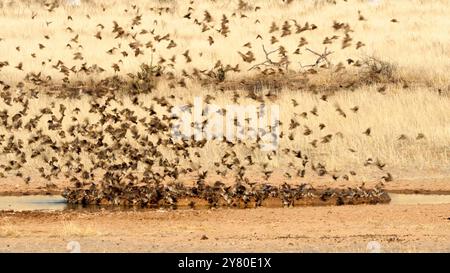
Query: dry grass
390	115
8	230
414	44
72	229
408	60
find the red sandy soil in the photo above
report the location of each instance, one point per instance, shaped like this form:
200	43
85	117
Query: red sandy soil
397	228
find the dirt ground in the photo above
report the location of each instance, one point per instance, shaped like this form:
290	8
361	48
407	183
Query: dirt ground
397	228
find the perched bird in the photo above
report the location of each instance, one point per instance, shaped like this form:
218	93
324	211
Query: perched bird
367	131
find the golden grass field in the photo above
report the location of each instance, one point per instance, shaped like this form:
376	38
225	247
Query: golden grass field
402	96
417	44
78	85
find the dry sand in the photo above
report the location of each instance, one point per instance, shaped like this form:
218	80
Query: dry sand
397	228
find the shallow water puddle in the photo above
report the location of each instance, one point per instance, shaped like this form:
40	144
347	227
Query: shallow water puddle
58	203
32	202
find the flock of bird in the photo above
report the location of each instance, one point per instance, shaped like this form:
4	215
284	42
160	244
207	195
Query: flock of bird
129	163
123	142
239	195
132	41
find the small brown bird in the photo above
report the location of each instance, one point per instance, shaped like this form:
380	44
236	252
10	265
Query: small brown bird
273	27
314	143
187	57
116	67
346	42
388	177
327	41
340	111
355	109
19	66
360	16
382	89
98	35
247	57
172	44
420	136
359	44
302	42
111	51
273	40
187	16
75	39
380	165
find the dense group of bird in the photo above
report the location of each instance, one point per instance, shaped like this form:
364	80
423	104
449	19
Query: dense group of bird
133	158
238	195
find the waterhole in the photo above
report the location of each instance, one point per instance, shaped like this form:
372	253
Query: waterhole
58	203
32	202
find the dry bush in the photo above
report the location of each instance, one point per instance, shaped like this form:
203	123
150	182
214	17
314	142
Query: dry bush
375	70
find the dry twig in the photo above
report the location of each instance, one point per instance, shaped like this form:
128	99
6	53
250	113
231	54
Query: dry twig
322	57
269	62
